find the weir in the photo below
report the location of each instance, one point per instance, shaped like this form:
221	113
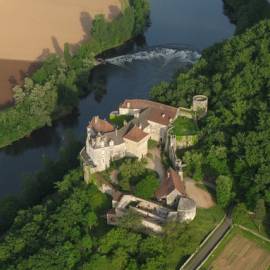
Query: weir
166	54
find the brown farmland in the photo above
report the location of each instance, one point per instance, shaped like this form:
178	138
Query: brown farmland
241	253
32	29
12	73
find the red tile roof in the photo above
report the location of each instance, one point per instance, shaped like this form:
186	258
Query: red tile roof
158	113
160	116
100	125
135	134
171	182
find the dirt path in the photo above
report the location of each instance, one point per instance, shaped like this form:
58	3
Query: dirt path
202	198
154	163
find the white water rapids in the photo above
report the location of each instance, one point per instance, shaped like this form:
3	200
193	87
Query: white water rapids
165	54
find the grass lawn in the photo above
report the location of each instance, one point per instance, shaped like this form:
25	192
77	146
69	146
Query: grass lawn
118	120
240	250
183	126
152	144
187	241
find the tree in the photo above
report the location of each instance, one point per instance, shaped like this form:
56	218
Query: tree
240	214
131	220
194	161
146	188
235	133
224	190
260	213
130	171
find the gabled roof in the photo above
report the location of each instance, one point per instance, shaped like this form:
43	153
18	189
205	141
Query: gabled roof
100	125
135	134
145	103
162	117
156	112
171	182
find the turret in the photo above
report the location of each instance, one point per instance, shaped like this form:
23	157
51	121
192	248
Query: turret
200	105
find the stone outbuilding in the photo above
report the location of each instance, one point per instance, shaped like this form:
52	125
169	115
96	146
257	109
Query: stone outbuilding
171	188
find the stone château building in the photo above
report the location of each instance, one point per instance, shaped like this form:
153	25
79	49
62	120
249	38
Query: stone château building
106	142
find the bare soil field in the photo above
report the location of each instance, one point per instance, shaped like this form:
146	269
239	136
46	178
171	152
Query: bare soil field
241	253
31	29
202	197
12	73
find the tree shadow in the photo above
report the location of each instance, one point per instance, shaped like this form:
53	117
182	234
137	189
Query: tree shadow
114	11
56	46
86	24
43	137
44	54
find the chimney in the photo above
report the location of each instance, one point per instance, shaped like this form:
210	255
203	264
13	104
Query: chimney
128	105
96	119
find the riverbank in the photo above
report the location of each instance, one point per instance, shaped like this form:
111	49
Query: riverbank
49	24
55	88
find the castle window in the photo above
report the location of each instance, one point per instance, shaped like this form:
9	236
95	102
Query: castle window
111	143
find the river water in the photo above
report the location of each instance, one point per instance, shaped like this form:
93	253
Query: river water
179	30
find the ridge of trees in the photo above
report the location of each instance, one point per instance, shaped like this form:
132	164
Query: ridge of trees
234	137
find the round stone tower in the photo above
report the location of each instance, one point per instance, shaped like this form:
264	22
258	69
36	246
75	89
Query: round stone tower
200	105
186	209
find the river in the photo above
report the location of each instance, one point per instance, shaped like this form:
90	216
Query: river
179	30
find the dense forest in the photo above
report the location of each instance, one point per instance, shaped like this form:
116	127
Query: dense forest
54	89
234	139
246	13
68	231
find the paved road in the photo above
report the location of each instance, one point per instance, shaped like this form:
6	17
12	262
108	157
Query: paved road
210	244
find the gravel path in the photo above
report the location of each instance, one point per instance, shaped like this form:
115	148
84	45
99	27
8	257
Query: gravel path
154	163
202	198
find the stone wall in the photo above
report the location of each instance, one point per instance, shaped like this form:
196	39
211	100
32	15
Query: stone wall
157	131
186	141
103	156
184	112
127	111
137	149
172	197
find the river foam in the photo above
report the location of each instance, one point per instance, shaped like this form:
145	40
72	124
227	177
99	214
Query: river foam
166	54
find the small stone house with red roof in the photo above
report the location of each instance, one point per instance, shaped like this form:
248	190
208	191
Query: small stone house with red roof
171	188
